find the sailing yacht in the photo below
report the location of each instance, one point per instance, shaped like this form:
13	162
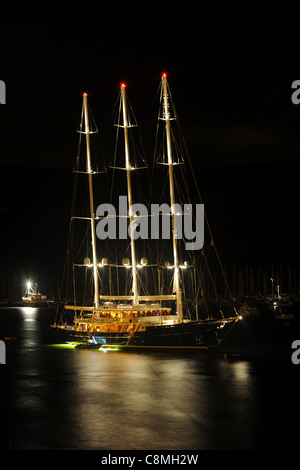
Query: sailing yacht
134	318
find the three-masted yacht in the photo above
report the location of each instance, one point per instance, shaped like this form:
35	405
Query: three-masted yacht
136	319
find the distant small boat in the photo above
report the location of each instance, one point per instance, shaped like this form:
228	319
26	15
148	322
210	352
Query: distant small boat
32	297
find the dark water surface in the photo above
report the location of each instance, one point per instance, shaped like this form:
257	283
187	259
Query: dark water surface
55	398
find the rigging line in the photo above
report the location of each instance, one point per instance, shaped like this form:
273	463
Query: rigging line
110	125
184	292
228	331
116	145
74	286
202	290
76	166
160	88
150	114
70	241
183	171
142	286
92	120
101	283
142	81
176	147
103	90
116	87
206	219
87	289
84	239
69	236
213	285
142	156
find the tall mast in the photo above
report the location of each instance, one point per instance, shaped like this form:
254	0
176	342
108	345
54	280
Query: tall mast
166	118
129	195
92	212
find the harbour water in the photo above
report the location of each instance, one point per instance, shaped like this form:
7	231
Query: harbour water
241	395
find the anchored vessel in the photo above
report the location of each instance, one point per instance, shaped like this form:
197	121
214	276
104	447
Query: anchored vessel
138	318
32	297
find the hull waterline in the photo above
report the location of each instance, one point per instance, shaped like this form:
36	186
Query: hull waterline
194	335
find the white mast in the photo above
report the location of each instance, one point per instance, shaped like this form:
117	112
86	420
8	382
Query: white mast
129	194
166	118
89	172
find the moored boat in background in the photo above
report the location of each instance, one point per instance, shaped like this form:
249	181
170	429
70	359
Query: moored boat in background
33	298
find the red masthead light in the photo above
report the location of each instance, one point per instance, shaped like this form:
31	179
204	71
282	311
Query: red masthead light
164	75
84	94
123	85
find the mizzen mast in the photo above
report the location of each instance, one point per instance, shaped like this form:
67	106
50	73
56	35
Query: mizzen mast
166	117
91	197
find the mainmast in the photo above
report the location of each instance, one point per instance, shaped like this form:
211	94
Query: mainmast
129	194
92	212
166	117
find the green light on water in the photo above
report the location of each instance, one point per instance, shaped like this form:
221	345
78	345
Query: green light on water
64	345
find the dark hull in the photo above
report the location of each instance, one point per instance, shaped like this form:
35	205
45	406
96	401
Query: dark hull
196	335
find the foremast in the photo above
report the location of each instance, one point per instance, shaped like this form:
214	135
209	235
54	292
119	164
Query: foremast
91	199
166	117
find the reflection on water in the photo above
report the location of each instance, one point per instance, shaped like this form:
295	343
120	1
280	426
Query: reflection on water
29	310
65	398
144	402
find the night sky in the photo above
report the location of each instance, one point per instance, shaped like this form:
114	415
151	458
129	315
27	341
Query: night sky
230	70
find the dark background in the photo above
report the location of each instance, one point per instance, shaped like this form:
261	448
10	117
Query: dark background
230	69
